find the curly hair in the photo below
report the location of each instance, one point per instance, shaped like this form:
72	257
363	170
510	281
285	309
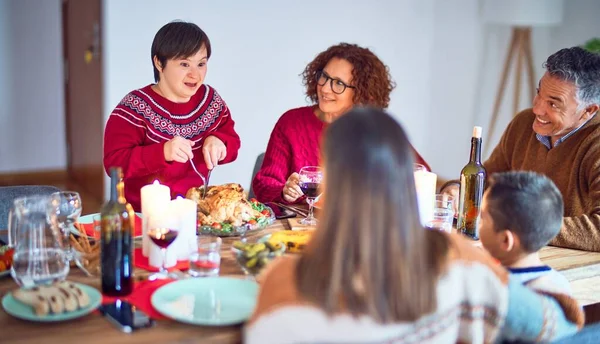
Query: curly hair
370	76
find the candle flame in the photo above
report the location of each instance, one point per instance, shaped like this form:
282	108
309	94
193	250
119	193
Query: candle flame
156	182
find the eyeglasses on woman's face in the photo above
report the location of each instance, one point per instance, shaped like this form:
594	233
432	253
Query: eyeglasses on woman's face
337	85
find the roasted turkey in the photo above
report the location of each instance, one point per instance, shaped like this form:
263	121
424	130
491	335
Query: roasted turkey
223	203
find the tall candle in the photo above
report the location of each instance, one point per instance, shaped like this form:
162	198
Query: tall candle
185	211
155	198
425	186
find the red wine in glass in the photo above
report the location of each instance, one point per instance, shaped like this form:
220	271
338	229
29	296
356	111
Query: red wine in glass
311	190
162	237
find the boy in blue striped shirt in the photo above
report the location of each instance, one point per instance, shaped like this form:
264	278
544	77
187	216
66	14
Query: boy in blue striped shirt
521	212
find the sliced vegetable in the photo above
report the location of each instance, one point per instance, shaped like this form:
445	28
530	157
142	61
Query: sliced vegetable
226	227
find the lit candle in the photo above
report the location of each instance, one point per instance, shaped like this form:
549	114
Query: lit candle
155	198
425	186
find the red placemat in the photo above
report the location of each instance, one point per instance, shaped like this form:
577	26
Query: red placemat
141	262
140	297
89	227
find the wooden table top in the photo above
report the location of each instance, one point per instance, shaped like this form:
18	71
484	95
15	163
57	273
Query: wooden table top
581	268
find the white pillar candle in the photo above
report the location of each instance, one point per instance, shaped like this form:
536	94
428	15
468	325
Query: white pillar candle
425	186
185	211
155	198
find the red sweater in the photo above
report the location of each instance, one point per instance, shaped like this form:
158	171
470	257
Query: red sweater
294	143
144	121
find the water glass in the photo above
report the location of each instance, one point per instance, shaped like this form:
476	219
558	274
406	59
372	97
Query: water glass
206	260
444	201
63	211
443	214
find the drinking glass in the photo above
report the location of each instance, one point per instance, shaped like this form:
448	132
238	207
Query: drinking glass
442	214
162	237
39	257
445	201
63	210
310	182
206	260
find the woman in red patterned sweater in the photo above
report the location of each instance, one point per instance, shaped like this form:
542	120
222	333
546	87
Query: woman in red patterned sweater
337	79
155	131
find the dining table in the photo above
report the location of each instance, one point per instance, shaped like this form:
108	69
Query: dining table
581	268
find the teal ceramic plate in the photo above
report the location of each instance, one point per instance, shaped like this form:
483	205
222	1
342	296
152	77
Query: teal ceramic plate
210	301
89	218
23	311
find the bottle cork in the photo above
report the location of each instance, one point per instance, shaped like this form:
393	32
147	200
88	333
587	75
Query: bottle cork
477	132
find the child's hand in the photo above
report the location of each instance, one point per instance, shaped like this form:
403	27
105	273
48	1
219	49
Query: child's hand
214	150
178	149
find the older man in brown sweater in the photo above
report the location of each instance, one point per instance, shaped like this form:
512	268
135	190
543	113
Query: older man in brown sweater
560	137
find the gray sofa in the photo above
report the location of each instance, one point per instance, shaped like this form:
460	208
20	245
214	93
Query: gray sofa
9	193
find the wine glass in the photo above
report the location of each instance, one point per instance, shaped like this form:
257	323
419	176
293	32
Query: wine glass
310	181
162	237
64	208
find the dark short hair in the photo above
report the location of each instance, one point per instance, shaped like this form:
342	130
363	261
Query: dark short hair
370	76
528	204
582	68
177	39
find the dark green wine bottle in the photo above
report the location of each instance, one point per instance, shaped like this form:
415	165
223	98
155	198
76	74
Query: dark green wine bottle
472	183
118	222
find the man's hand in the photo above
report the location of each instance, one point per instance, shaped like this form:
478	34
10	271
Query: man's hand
178	149
291	190
214	150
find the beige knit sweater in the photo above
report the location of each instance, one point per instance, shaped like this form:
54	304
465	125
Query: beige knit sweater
573	165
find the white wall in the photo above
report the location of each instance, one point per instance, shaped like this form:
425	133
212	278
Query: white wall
5	83
31	89
260	47
468	56
445	61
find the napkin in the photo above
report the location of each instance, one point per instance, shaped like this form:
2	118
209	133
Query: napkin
140	297
295	224
141	262
89	228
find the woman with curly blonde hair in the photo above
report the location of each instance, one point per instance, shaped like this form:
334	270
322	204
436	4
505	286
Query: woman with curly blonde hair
337	79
